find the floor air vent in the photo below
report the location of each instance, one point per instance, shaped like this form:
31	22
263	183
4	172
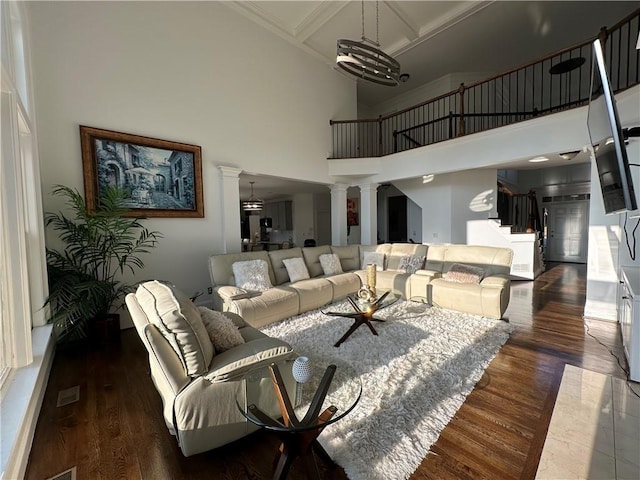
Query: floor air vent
66	475
67	396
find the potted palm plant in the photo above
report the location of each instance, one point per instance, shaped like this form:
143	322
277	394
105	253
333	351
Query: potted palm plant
98	247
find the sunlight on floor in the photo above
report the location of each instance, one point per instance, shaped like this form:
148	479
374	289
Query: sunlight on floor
595	429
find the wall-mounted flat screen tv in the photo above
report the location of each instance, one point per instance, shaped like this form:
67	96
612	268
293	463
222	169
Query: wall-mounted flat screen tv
607	140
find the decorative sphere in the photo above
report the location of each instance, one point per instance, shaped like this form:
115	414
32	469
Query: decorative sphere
301	369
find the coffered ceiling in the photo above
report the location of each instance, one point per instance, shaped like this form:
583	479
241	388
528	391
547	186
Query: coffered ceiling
434	38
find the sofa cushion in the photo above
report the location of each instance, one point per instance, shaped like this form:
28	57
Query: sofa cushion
223	333
376	258
382	248
267	307
344	284
411	263
461	273
330	263
252	275
400	250
349	256
296	269
312	293
277	263
311	258
494	260
435	258
180	323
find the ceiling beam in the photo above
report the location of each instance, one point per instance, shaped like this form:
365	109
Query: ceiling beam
411	30
457	15
253	12
317	19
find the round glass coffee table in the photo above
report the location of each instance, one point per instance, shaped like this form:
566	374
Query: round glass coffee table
298	412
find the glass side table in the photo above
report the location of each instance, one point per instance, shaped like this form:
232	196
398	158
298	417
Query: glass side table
298	412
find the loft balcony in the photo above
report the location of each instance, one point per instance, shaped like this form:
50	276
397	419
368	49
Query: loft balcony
553	84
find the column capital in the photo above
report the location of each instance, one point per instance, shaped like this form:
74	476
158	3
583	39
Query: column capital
367	187
228	171
338	187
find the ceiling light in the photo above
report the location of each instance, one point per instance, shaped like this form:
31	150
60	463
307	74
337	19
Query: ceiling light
567	65
365	60
569	155
428	178
252	204
538	160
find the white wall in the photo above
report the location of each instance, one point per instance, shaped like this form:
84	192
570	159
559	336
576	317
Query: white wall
602	262
303	218
451	200
193	72
322	222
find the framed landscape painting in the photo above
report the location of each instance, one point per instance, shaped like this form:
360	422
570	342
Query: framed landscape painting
160	178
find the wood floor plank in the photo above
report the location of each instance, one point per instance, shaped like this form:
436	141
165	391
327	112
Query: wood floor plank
116	430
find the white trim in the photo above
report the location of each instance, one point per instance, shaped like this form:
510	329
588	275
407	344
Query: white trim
21	404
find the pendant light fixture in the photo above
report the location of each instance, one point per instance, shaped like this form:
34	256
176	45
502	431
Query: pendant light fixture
252	204
365	60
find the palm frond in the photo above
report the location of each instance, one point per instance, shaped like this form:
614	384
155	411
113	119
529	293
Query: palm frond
98	247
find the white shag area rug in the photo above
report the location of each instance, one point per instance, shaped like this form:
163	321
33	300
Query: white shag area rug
415	375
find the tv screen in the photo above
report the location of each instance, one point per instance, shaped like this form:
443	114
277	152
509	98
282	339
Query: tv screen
607	140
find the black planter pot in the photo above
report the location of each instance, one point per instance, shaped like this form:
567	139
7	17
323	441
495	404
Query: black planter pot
105	329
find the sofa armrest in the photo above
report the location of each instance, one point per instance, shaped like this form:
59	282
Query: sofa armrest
239	360
230	292
429	273
500	281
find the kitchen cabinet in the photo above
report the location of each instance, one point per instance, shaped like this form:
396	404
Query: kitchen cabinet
281	214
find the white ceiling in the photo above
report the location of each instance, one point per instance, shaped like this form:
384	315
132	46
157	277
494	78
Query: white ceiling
431	39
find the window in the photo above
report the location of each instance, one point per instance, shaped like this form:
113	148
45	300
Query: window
22	262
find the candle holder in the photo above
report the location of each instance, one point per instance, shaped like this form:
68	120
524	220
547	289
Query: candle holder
367	294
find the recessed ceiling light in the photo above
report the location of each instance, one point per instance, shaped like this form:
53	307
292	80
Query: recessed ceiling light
428	178
539	159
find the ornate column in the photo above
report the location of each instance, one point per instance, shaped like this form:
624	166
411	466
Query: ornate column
369	213
338	214
230	208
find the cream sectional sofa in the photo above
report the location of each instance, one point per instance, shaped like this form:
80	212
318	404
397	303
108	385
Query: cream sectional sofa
489	297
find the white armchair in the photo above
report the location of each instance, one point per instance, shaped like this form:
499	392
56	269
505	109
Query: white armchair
198	387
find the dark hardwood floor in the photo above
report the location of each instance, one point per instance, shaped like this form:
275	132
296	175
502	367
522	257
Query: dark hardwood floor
116	430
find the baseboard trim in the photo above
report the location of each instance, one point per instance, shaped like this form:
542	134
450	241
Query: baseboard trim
21	405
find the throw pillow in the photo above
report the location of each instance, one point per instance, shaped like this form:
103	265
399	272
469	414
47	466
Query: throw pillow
221	329
296	269
330	263
461	273
252	275
411	263
373	257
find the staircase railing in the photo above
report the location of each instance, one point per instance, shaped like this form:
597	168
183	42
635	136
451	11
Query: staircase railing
538	88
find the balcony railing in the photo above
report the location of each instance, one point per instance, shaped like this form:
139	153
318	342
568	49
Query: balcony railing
532	90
